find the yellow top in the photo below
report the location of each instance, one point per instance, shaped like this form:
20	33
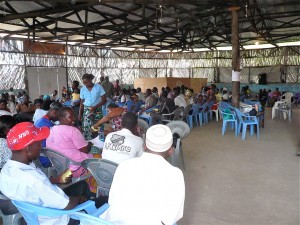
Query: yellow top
75	96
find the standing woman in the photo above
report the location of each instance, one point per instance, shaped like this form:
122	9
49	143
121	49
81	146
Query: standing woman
92	97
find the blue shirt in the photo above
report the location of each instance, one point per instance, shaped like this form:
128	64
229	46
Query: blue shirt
67	103
93	97
44	122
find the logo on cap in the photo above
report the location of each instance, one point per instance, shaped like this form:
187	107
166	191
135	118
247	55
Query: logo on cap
23	134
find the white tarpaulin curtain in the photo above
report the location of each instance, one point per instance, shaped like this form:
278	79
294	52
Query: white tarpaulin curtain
126	66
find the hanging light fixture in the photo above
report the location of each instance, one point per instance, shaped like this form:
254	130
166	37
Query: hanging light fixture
161	13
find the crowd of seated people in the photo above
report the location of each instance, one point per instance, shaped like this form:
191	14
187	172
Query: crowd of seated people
123	141
50	122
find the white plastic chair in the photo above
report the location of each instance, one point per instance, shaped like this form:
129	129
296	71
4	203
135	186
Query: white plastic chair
216	111
285	99
61	163
285	111
177	114
103	171
182	129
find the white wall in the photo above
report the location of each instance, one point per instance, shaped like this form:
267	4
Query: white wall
42	81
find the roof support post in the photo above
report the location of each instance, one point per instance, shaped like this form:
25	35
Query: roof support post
235	56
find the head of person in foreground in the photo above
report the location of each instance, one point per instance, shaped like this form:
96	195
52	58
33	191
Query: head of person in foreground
159	140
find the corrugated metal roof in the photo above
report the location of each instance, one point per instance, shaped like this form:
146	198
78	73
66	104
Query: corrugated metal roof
158	24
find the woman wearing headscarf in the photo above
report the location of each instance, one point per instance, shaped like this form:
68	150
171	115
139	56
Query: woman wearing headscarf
92	97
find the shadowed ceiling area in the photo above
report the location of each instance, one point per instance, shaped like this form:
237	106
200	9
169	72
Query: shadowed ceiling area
157	25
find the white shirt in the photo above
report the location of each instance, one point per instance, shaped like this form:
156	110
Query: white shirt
122	145
225	96
125	98
141	96
5	113
146	191
12	107
180	101
22	182
39	113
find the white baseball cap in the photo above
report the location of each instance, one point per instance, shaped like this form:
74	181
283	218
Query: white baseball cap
159	138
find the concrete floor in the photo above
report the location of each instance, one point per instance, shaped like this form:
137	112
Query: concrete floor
235	182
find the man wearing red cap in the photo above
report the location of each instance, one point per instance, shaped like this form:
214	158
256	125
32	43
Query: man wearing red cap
20	180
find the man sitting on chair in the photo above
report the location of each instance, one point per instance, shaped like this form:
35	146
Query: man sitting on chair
123	144
148	190
20	180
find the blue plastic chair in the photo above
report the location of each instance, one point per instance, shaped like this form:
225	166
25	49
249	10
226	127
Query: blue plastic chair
138	105
130	106
120	104
244	121
92	218
229	117
193	116
147	117
31	212
202	113
224	105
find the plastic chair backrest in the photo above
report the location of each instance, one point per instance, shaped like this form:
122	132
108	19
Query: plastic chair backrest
287	96
224	105
195	109
103	171
31	212
204	107
179	127
238	113
143	124
186	110
59	161
228	115
210	104
178	113
130	106
138	105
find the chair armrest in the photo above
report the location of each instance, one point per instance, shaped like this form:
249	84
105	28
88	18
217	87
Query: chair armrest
251	117
88	206
228	114
89	219
85	162
167	114
100	210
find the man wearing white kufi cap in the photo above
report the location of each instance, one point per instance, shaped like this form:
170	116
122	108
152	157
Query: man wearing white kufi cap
148	190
